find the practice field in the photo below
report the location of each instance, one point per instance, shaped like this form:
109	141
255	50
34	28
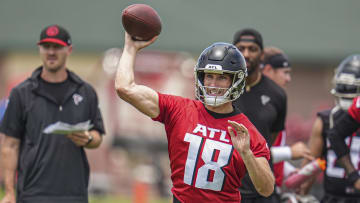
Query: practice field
115	199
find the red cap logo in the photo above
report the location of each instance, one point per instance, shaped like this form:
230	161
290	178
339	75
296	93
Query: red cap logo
52	31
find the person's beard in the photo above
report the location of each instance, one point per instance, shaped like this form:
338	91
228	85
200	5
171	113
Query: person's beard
253	66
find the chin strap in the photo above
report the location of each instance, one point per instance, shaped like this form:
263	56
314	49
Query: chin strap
332	112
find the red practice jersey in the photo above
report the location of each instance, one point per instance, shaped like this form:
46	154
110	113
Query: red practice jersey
205	167
354	110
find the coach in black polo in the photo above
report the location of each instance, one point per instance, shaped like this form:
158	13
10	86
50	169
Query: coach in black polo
263	102
50	168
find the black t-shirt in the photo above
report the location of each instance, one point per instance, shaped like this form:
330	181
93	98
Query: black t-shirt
335	182
265	106
51	168
56	90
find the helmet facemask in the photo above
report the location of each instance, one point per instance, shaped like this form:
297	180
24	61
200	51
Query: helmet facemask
347	87
344	94
215	96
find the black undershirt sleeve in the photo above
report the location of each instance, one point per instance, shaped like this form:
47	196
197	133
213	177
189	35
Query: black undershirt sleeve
343	127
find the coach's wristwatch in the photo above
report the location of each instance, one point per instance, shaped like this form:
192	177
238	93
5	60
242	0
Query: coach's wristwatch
90	137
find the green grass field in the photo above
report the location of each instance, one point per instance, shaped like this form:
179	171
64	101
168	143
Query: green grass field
116	199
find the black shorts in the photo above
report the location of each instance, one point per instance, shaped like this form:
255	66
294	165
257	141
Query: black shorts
274	198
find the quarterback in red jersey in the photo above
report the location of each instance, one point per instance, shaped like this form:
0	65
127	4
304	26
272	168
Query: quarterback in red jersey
211	144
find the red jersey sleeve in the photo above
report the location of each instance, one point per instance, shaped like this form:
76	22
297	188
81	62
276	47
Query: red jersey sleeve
354	110
170	107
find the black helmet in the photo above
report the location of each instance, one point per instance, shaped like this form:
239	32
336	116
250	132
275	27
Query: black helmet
347	81
220	58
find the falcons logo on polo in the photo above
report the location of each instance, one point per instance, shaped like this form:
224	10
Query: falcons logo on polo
77	99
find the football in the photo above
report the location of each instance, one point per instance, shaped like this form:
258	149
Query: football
141	21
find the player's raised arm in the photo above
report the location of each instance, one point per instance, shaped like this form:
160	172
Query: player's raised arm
141	97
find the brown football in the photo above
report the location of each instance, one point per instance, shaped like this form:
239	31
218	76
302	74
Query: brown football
141	21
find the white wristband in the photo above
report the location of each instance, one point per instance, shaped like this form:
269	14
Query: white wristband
282	153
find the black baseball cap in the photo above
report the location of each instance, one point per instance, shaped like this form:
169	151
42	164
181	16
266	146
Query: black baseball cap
55	34
248	32
278	61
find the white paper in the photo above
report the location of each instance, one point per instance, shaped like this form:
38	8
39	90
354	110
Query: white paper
65	128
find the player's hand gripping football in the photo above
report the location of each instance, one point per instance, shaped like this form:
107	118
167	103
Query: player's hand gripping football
130	43
239	136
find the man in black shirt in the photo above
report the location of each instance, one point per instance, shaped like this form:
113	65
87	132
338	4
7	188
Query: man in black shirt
263	102
50	167
277	67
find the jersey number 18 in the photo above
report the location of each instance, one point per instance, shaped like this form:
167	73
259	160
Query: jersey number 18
210	147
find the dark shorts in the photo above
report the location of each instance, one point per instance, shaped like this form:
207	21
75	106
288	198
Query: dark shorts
274	198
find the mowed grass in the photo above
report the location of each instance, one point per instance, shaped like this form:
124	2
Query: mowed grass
116	199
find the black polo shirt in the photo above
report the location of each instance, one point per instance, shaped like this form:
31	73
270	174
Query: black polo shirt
265	106
51	168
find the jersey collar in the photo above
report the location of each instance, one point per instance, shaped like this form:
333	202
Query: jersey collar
223	115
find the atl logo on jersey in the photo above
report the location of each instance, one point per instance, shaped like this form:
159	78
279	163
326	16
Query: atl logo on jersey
210	132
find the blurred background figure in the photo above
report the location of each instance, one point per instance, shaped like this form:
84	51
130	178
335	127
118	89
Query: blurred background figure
263	102
277	67
53	93
3	98
3	79
336	184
